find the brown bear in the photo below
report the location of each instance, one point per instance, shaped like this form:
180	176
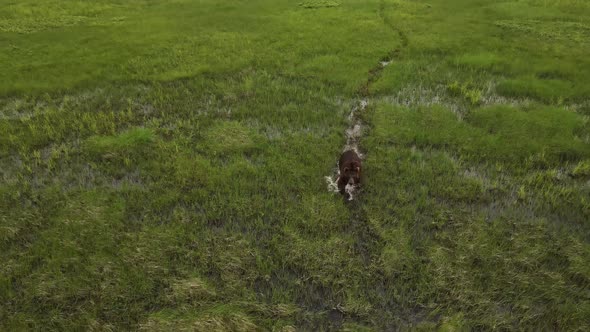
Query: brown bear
350	170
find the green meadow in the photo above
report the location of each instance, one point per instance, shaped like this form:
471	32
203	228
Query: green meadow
163	164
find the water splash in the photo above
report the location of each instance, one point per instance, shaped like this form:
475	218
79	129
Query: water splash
332	184
350	188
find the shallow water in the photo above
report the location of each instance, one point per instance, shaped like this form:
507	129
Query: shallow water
353	134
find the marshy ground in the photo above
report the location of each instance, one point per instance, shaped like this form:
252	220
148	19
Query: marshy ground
162	165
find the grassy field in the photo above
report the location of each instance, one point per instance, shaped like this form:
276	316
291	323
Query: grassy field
162	165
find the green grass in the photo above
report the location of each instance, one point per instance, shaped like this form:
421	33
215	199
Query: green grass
491	134
162	165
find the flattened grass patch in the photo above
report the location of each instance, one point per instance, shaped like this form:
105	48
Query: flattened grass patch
192	170
29	17
558	30
481	61
190	290
126	142
513	133
544	90
499	133
312	4
219	319
228	137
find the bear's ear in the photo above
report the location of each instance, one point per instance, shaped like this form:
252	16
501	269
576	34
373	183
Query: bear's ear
358	169
345	170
